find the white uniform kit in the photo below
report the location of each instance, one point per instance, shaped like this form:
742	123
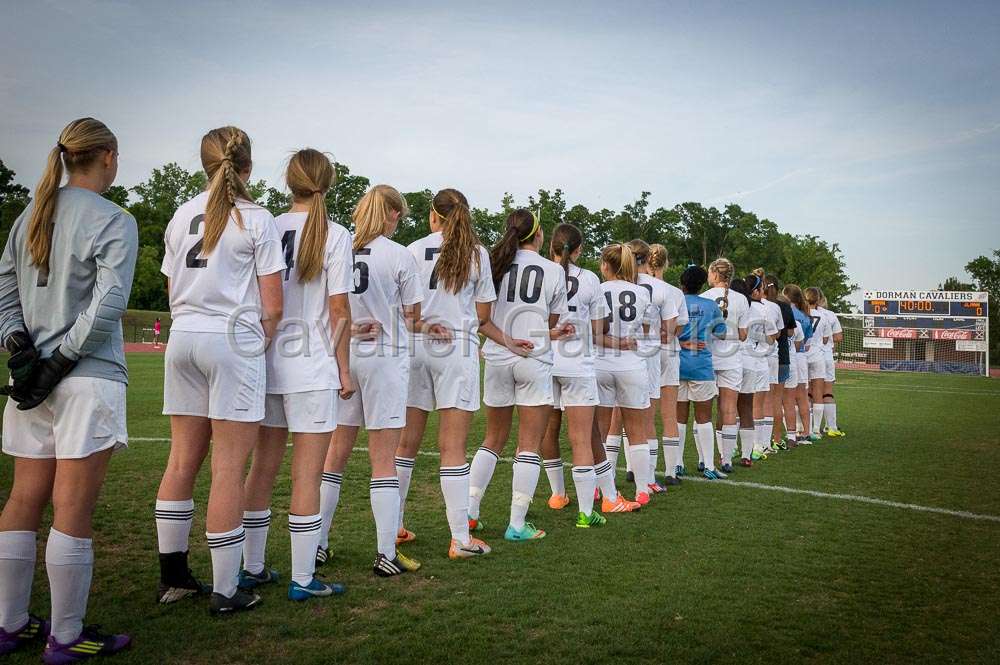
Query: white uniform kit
815	345
726	352
662	307
215	364
773	313
835	328
670	354
756	349
302	371
532	289
799	372
622	378
385	281
445	375
574	382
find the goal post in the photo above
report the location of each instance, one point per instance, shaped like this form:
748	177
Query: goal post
918	331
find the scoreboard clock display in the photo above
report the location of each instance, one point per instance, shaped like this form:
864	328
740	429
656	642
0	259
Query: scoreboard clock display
971	304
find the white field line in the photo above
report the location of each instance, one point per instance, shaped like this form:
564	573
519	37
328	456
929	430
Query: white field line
964	514
917	389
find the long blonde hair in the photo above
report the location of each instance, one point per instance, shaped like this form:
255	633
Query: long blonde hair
640	250
621	260
723	267
657	260
814	296
371	214
80	144
225	153
309	176
460	244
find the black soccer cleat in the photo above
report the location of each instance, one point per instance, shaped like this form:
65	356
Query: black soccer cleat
241	601
176	579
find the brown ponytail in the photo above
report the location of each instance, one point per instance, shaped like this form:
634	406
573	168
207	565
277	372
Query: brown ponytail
225	153
80	144
794	294
460	244
310	175
566	239
640	250
520	229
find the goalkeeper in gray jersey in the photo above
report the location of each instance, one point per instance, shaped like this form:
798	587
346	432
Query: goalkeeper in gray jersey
65	277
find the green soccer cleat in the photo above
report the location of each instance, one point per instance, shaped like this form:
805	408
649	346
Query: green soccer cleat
593	519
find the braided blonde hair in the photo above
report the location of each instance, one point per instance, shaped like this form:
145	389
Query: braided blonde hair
225	153
80	143
657	260
723	268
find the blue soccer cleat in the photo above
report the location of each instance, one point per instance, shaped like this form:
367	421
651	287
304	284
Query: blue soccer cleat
315	589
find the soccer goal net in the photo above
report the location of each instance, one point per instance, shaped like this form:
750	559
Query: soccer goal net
961	348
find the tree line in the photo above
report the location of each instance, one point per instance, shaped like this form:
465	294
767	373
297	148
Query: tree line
691	231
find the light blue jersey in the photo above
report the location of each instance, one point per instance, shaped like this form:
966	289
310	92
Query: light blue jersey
704	319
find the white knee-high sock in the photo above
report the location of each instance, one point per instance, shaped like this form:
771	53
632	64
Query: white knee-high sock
613	444
831	415
748	439
256	524
817	417
704	438
765	432
304	533
455	489
682	429
17	569
584	480
729	433
721	445
654	457
329	497
173	525
384	493
671	451
639	454
605	476
69	562
526	468
554	471
226	548
404	471
484	463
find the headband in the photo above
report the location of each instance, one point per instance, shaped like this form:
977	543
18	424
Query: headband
534	228
757	283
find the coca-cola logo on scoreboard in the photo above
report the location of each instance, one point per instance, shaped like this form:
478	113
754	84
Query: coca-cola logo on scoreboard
898	333
953	334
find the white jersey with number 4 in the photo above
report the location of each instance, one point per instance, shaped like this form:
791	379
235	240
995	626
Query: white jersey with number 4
440	305
735	308
627	304
208	292
585	303
301	356
385	281
532	289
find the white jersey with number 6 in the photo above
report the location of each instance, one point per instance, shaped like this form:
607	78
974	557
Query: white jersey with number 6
627	304
385	281
440	305
532	289
206	292
301	356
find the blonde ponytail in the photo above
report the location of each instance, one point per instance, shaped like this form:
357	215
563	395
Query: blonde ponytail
620	258
80	144
309	176
371	214
225	153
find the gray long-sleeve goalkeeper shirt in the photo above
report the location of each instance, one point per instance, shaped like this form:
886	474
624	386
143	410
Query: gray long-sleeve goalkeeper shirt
79	303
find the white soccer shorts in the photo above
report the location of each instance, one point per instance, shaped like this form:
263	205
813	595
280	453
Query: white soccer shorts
729	378
628	389
83	415
525	382
670	367
697	391
817	367
754	381
307	412
574	391
772	369
381	383
214	375
831	368
444	378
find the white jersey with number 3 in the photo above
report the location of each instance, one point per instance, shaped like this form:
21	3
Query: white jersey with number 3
301	356
735	308
206	291
440	305
532	289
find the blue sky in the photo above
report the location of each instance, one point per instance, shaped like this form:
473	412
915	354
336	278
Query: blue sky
873	125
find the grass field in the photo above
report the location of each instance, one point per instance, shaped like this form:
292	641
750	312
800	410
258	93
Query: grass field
712	572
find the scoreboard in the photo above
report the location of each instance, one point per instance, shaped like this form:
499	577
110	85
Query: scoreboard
950	316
